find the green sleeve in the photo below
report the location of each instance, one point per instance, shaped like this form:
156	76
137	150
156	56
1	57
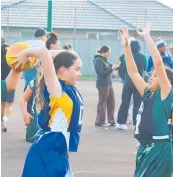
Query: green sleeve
123	62
145	63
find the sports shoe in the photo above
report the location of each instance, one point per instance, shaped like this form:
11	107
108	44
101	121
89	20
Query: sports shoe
102	124
121	126
112	123
3	126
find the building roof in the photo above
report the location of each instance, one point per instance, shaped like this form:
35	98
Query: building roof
137	11
87	14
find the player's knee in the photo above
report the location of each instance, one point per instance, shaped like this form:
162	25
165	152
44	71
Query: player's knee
8	109
2	108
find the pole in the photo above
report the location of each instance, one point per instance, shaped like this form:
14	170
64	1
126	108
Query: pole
49	19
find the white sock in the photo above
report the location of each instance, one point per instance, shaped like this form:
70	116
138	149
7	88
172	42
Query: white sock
5	119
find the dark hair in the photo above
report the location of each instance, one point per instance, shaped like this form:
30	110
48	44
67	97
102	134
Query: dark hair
70	46
135	46
104	49
169	73
65	59
2	40
66	47
52	39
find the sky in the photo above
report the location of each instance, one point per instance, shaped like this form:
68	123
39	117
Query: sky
166	2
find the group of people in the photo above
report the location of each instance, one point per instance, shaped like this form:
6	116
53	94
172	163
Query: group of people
59	106
104	71
28	101
152	100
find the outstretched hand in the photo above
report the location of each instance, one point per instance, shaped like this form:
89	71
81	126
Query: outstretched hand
20	62
124	34
144	31
27	118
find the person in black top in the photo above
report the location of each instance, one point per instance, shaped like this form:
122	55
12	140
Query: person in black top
5	69
129	89
8	98
121	69
153	128
104	86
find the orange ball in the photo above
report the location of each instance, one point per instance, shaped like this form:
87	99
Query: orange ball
14	50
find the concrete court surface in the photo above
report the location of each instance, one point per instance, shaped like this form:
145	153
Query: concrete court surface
102	152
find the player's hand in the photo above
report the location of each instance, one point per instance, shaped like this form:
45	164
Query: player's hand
116	66
137	146
21	60
124	35
27	118
144	31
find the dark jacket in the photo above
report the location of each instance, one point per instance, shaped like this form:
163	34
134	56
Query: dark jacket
5	69
103	70
167	60
141	63
122	70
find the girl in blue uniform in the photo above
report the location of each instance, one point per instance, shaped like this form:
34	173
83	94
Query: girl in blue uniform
61	115
155	156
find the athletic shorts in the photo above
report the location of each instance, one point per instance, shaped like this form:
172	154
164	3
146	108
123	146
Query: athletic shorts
48	157
8	97
3	89
154	160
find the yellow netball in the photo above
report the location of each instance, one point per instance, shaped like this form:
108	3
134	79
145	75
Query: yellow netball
14	50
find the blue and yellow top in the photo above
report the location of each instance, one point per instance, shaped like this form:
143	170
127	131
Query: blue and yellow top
63	115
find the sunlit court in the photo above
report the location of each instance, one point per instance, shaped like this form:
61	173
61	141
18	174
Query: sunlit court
86	88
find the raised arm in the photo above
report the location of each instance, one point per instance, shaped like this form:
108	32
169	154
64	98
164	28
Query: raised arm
12	80
54	53
132	69
50	75
164	82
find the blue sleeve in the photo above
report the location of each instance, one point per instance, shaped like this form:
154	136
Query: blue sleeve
172	124
74	141
145	62
172	135
171	61
150	64
167	60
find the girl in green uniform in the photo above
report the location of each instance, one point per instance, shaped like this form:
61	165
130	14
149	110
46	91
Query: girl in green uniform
29	112
155	156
